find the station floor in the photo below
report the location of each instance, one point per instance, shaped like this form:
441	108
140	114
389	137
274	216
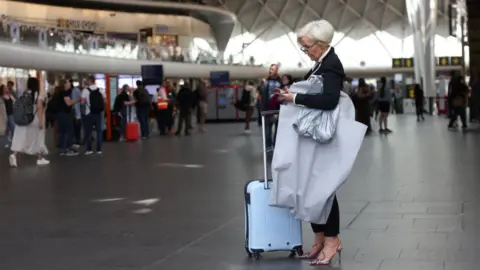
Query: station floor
411	203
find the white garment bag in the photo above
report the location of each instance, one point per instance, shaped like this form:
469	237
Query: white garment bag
306	174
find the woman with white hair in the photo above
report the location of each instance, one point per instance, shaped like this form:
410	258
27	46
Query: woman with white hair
315	39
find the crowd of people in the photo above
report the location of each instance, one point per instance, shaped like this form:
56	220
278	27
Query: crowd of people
370	102
378	102
77	115
170	105
78	118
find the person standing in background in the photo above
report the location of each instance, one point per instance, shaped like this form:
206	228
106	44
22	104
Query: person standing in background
143	105
161	110
65	119
384	99
361	100
249	97
453	74
267	93
77	111
459	96
393	107
94	100
30	139
7	98
121	109
171	96
185	100
11	90
202	93
419	102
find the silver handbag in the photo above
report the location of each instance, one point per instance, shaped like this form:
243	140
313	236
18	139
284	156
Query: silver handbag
316	124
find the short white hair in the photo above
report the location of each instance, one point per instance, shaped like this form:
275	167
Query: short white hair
320	30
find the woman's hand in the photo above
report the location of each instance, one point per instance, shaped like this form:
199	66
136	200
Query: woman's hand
286	96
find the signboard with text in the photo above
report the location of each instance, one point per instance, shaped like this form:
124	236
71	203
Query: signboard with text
443	61
397	63
79	25
403	62
456	60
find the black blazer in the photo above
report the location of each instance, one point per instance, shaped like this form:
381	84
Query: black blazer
333	75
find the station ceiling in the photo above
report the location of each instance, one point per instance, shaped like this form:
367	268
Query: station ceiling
356	18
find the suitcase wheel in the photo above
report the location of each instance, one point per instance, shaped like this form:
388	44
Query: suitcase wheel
298	251
256	256
248	252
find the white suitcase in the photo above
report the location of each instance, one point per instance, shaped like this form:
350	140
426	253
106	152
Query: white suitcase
268	228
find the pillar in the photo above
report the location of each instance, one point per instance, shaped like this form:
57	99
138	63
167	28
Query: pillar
473	23
422	17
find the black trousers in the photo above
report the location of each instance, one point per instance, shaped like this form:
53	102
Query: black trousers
162	120
170	119
50	120
183	120
419	109
332	227
450	106
77	131
259	117
198	112
143	116
456	112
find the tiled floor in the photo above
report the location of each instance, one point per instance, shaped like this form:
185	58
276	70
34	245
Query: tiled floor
410	204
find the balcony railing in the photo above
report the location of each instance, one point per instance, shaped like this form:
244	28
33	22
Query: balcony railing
81	43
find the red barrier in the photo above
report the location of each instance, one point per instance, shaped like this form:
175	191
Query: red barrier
442	105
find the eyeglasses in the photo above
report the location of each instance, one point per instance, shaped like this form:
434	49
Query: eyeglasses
306	48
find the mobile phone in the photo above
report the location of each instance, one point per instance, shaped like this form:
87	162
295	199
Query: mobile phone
278	91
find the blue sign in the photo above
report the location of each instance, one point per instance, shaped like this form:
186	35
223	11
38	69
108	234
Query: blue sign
219	78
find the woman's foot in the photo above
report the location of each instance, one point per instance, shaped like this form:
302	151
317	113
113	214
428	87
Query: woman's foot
12	159
316	249
331	247
42	162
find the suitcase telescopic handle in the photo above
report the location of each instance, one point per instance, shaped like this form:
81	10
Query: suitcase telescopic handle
264	140
129	113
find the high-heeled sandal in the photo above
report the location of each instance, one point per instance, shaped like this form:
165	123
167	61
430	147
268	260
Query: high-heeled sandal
322	259
312	255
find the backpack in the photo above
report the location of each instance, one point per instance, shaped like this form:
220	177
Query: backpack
144	97
23	109
96	101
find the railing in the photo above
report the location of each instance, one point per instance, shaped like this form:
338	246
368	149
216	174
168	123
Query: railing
80	43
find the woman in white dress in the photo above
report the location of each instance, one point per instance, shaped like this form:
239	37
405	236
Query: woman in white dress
30	139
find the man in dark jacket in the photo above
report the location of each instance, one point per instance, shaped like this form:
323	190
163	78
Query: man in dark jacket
185	101
459	97
267	92
143	105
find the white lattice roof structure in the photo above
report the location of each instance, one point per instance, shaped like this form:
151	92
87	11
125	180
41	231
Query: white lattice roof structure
369	32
